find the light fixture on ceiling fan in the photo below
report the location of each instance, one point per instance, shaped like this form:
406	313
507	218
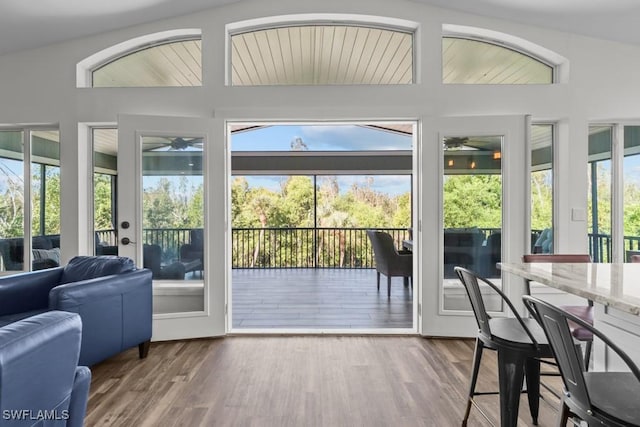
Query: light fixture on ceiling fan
454	142
180	143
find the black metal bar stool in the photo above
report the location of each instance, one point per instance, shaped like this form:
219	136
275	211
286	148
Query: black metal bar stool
599	398
520	343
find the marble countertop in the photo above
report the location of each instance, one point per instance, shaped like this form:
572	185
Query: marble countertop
614	285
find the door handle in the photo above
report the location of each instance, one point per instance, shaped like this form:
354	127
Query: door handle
125	241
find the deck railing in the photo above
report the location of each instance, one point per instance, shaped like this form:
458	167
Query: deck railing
324	247
321	247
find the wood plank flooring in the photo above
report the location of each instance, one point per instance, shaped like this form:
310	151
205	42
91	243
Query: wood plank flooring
318	299
297	381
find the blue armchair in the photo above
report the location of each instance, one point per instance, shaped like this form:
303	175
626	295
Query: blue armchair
40	380
113	298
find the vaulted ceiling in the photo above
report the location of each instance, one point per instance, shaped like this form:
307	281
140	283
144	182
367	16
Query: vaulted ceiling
26	24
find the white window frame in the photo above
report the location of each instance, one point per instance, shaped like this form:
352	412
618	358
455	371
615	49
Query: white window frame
27	204
86	67
557	62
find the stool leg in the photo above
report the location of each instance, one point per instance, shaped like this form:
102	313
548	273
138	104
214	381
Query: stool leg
477	357
563	415
532	372
510	376
587	354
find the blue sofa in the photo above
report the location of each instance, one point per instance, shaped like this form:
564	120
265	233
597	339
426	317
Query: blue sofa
41	383
113	298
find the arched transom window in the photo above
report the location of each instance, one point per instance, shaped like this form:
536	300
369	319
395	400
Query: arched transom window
168	63
322	55
468	61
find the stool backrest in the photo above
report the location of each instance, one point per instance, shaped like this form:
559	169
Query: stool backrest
470	281
554	322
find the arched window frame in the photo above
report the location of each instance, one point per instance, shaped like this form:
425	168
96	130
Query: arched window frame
371	21
86	67
557	62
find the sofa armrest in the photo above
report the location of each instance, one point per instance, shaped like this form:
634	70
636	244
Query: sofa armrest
75	294
116	312
27	291
39	356
79	397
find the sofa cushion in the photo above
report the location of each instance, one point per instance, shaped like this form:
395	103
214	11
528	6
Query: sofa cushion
10	318
90	267
52	254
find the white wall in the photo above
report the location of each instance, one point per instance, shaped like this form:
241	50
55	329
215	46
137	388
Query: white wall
38	86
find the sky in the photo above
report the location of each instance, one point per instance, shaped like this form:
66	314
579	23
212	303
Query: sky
339	137
393	185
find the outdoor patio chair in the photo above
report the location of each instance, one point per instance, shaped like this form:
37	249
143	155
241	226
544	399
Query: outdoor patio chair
390	261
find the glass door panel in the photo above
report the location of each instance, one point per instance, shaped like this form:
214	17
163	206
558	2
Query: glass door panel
599	196
472	213
542	188
631	195
11	201
166	178
45	199
173	209
105	175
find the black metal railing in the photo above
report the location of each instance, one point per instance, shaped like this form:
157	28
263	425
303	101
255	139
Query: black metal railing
323	247
106	237
278	247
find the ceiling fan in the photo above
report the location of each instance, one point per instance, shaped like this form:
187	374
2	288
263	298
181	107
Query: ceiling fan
455	142
181	143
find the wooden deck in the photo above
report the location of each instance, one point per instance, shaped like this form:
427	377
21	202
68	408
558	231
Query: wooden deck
318	299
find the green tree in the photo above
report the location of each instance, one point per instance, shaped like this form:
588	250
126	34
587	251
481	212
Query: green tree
297	202
159	205
11	201
239	202
195	208
472	201
603	204
102	196
51	201
541	199
402	214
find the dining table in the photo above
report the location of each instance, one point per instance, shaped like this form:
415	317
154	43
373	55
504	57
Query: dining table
613	287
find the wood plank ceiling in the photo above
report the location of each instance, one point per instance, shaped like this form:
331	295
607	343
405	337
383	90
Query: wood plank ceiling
321	55
476	62
178	63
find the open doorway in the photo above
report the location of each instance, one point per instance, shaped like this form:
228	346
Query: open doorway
303	196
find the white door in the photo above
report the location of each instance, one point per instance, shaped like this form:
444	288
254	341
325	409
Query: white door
171	213
474	178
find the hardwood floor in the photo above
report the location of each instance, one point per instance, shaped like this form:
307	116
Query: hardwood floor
318	299
297	381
